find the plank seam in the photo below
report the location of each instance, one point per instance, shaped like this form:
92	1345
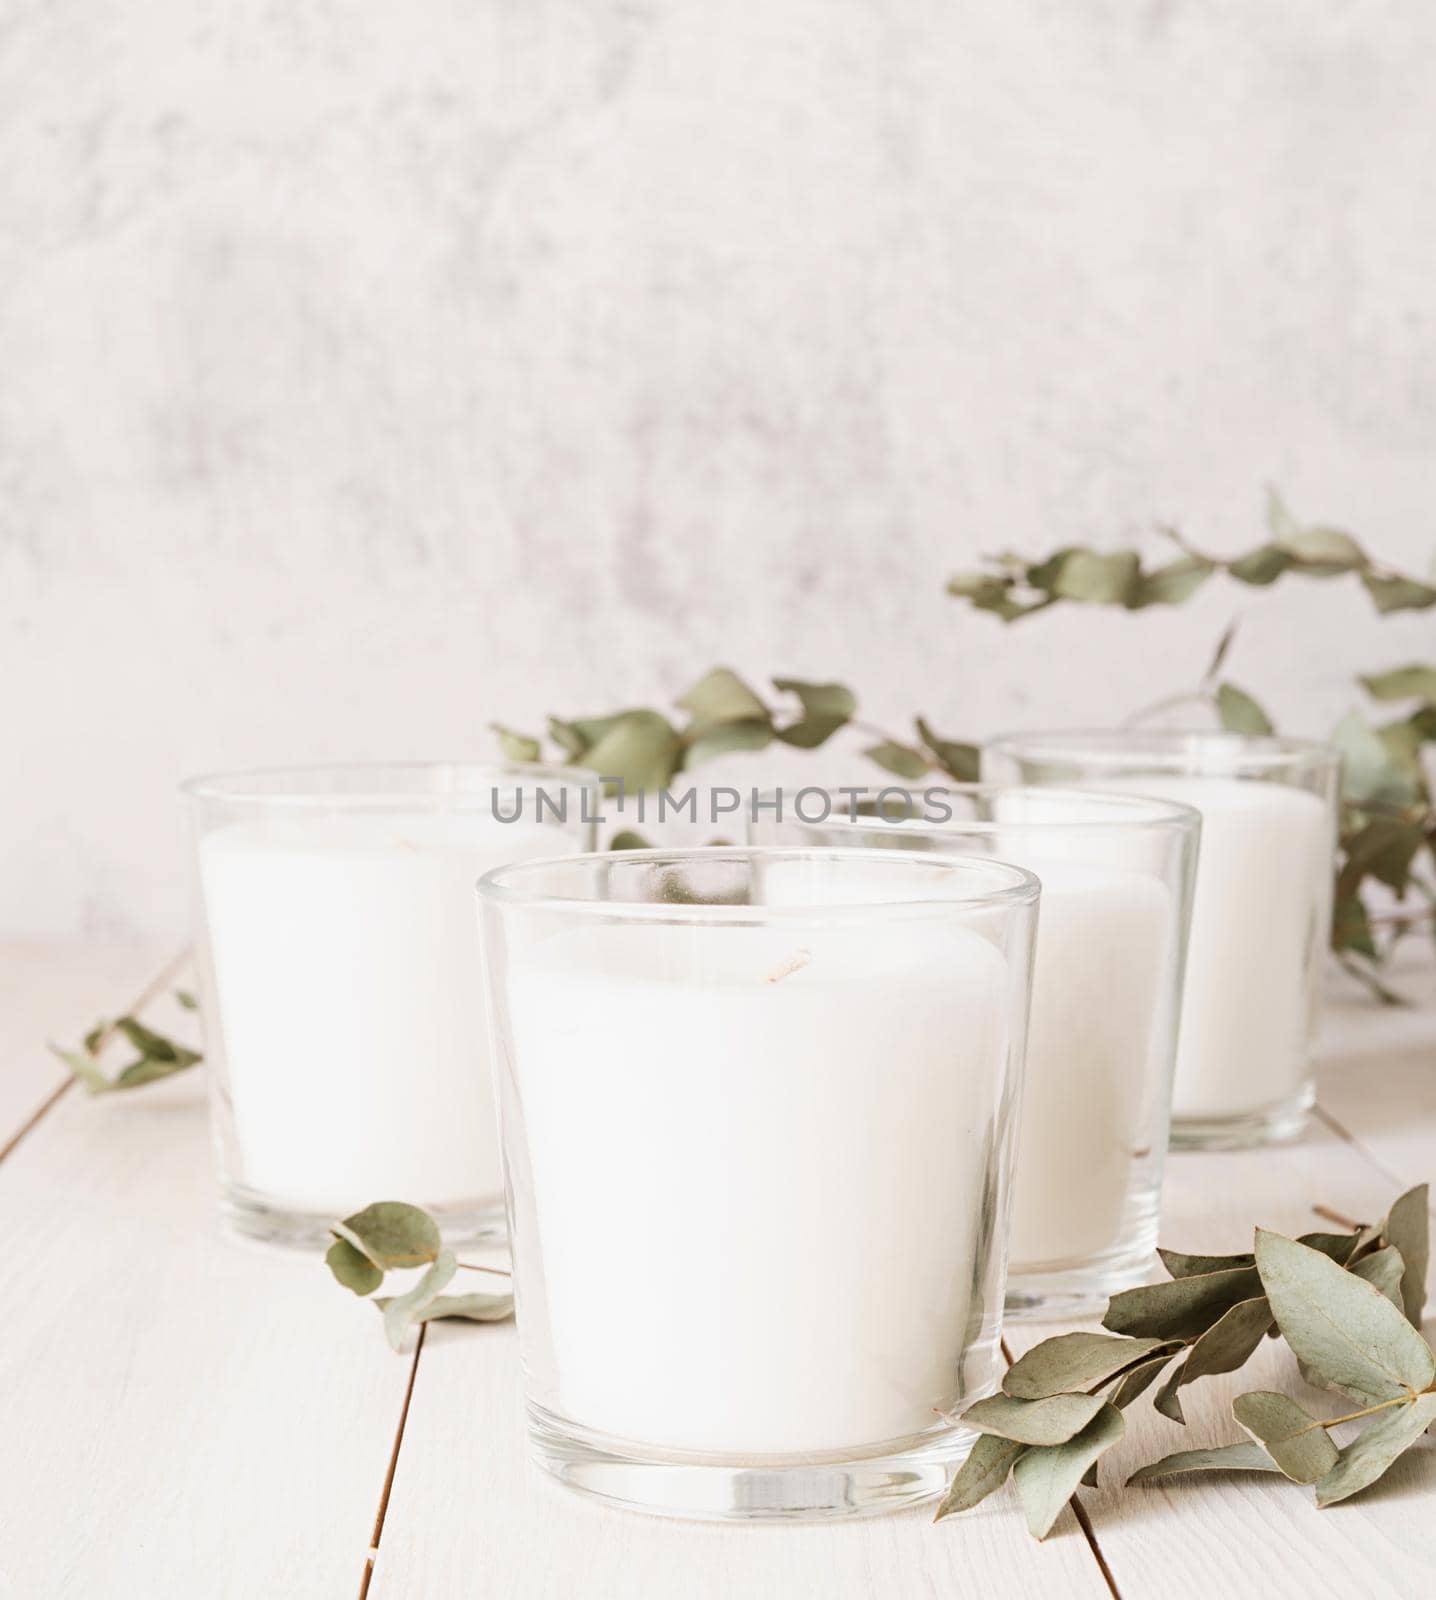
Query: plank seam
1325	1117
151	990
371	1555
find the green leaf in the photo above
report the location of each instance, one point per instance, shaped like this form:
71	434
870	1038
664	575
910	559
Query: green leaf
462	1307
1398	594
1375	1448
1185	1266
1172	584
639	749
726	738
403	1310
1243	1457
1415	682
1046	1422
1337	1246
352	1268
1076	1361
1384	849
516	746
1138	1380
85	1068
1167	1400
1370	772
1239	713
629	839
826	707
1383	1269
986	1468
1325	552
391	1234
1261	567
1096	578
154	1045
1229	1341
722	696
960	761
1298	1444
150	1069
1047	1479
185	998
1183	1308
1408	1228
1340	1328
898	758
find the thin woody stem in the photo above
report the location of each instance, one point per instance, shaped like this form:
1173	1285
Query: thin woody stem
473	1266
1352	1416
1336	1217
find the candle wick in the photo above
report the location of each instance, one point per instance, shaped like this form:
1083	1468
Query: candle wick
786	968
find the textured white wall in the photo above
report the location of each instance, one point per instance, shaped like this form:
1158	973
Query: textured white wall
371	370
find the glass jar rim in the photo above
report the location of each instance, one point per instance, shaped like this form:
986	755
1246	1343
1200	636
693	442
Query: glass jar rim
377	783
507	886
1136	810
1126	749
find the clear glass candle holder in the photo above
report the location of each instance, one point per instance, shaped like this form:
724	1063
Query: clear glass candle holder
1261	914
342	1005
757	1126
1116	874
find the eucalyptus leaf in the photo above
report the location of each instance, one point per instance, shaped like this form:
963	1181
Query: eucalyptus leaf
1138	1380
1383	1269
85	1068
1230	1340
403	1310
1398	594
1182	1308
185	998
640	749
725	739
154	1045
1325	552
1076	1361
1369	771
1386	1437
150	1069
1341	1328
516	746
391	1234
352	1268
722	696
986	1468
629	839
1172	584
1097	578
1046	1422
1047	1479
1293	1438
960	761
1186	1266
898	758
1415	682
1408	1228
463	1307
1261	567
1240	713
1167	1400
1243	1457
1337	1246
826	707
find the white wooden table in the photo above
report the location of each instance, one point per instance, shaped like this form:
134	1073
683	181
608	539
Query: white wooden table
184	1415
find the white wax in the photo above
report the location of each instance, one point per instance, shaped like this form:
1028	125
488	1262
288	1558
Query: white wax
350	998
1103	947
1258	923
759	1205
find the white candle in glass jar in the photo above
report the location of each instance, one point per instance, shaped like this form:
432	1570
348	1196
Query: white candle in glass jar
761	1161
1103	951
346	961
1259	921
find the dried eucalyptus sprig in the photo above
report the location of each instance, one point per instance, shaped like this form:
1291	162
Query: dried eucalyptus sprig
157	1058
392	1236
1011	587
1348	1305
646	750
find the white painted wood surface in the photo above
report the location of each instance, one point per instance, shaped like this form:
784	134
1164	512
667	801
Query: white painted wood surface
183	1415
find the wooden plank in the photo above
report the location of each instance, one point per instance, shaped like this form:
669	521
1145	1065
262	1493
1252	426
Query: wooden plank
56	992
1245	1533
1376	1080
183	1414
469	1514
